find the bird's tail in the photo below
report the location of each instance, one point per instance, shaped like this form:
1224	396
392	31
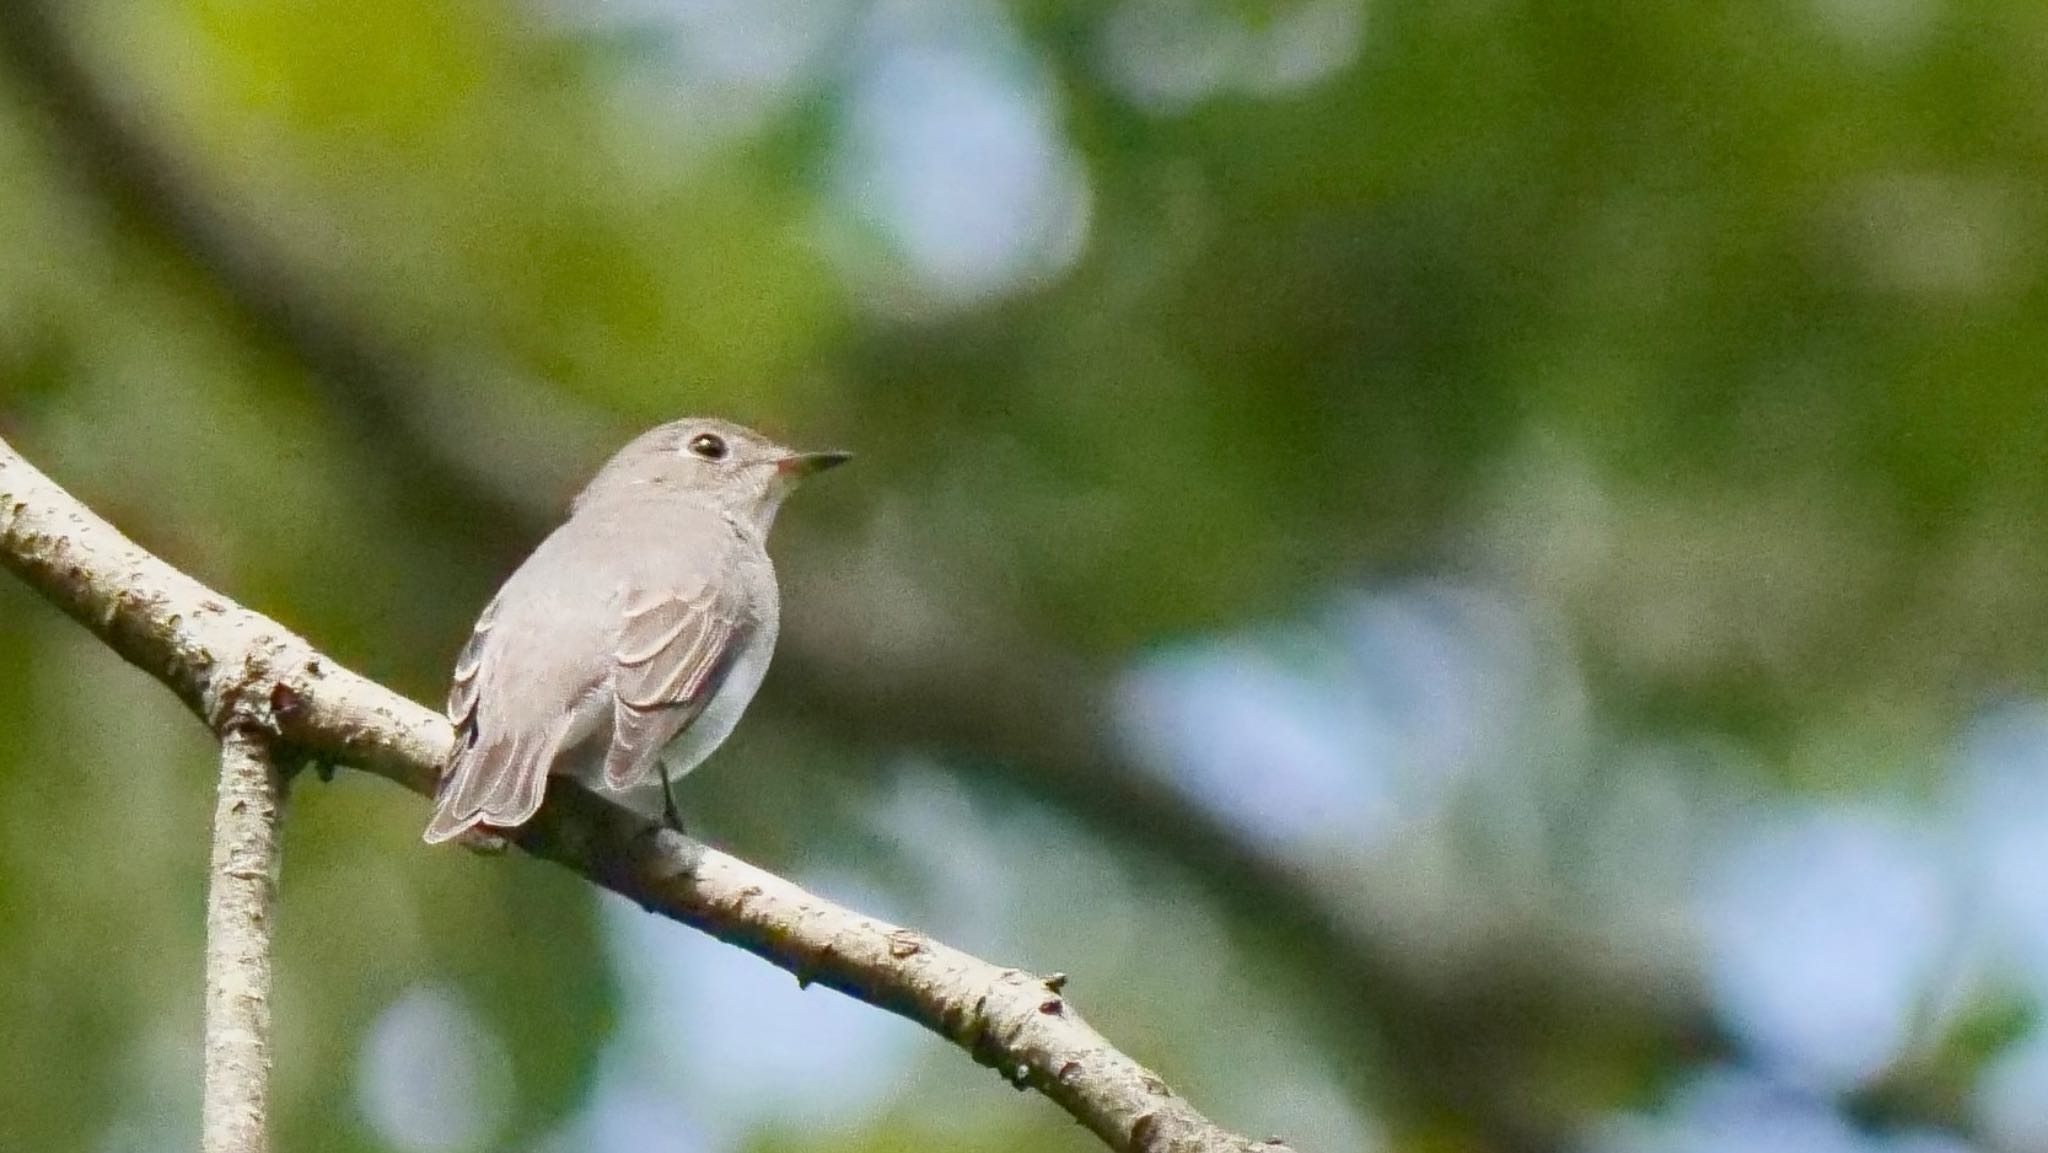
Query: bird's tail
493	781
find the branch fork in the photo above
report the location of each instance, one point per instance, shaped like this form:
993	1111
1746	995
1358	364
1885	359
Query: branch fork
263	689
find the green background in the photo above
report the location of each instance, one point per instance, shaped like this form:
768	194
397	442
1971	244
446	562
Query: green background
1440	559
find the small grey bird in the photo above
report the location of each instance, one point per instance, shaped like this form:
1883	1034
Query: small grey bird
623	651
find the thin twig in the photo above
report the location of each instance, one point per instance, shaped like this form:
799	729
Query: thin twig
241	896
229	663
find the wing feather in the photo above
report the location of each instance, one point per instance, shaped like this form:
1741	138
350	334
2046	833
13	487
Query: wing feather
673	651
462	691
491	779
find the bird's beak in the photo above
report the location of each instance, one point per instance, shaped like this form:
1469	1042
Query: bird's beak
802	464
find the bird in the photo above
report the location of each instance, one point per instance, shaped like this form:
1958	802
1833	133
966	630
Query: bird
623	651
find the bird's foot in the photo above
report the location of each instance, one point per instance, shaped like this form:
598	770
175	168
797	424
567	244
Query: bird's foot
671	818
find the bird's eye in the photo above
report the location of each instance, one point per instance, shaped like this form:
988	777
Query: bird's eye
708	446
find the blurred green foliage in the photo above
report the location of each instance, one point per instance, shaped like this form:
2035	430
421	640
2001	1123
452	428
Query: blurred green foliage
1707	332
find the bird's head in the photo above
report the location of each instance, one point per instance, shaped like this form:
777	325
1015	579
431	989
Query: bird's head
717	462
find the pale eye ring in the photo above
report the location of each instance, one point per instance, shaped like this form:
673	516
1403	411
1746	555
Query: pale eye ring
710	446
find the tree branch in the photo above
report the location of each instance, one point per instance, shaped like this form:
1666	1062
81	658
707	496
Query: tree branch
241	897
1460	1055
236	668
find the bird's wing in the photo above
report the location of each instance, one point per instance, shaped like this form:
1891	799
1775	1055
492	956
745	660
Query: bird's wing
675	648
497	781
515	707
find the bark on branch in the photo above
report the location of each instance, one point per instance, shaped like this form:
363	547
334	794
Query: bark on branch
235	667
241	896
